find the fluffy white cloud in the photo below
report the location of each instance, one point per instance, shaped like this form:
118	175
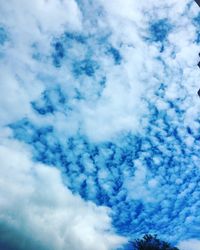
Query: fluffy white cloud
29	28
191	244
38	211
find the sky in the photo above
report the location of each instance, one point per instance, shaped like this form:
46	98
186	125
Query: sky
99	123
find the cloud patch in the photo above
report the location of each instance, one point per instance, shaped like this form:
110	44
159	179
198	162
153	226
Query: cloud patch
38	211
191	244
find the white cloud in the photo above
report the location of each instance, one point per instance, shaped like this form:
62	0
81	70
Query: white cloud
36	209
191	244
30	27
114	113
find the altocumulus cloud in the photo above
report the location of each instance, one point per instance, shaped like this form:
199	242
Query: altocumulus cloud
99	117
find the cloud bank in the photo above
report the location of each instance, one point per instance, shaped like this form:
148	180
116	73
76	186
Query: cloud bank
38	212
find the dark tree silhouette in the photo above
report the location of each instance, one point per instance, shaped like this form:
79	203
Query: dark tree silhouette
151	242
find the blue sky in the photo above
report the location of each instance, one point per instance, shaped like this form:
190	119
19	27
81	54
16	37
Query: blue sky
99	123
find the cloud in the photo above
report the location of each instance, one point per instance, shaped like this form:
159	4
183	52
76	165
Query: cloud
26	34
191	244
38	211
107	94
